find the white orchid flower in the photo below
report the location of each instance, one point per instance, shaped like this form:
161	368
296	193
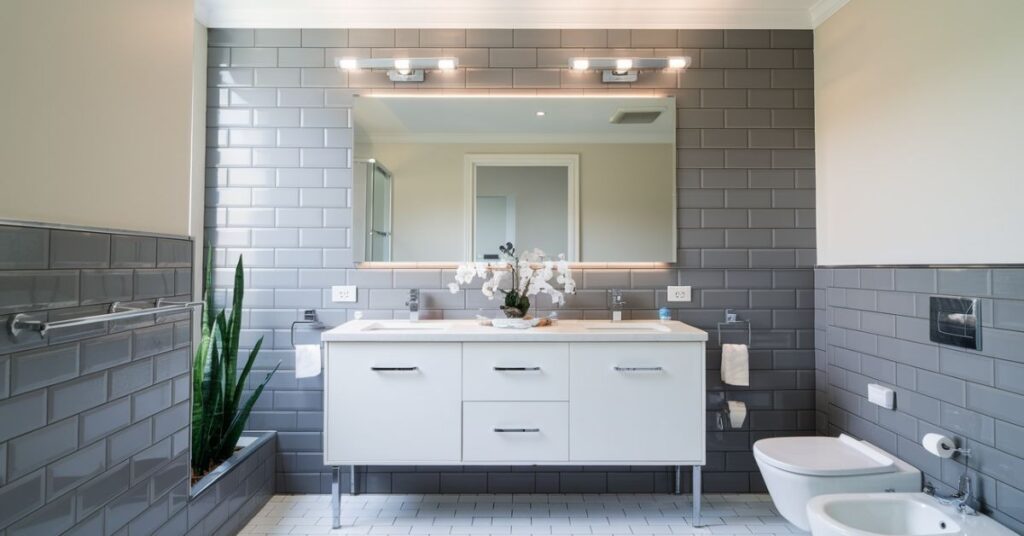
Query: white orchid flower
453	287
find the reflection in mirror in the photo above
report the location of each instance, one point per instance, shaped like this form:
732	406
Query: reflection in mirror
540	190
372	208
593	178
528	200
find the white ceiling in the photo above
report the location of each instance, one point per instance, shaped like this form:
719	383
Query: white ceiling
510	120
637	14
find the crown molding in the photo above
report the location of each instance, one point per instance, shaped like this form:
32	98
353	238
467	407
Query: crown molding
823	9
541	14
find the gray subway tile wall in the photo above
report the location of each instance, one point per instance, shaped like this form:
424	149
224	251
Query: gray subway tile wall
278	189
84	442
871	326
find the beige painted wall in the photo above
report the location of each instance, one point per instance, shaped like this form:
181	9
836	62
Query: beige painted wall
918	132
96	113
626	197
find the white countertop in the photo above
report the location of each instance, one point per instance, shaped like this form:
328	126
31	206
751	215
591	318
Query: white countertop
470	330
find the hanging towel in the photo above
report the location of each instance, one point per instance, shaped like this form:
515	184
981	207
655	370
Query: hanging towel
737	413
735	364
307	360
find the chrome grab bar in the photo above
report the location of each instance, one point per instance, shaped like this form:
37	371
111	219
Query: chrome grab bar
638	369
517	430
394	369
20	322
516	369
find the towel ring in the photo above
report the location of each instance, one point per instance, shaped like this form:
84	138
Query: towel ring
310	317
730	319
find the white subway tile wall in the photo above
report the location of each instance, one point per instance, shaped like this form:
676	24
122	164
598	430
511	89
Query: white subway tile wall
279	174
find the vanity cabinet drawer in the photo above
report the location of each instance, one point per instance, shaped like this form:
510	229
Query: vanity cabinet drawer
393	402
636	402
515	431
515	371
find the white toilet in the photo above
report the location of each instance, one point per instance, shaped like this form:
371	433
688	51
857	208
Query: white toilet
796	469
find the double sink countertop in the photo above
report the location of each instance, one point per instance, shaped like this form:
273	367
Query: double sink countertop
471	330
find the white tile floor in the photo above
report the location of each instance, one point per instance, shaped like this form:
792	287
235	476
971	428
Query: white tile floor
478	515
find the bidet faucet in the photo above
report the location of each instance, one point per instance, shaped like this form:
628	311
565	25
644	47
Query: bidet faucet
962	500
414	304
617	303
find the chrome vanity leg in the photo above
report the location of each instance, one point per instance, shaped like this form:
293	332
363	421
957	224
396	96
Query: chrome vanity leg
352	480
696	497
336	497
679	480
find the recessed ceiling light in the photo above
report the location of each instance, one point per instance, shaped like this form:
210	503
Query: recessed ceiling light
540	113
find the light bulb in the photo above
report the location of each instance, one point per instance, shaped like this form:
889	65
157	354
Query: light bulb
540	113
402	66
580	64
348	64
623	65
676	63
446	64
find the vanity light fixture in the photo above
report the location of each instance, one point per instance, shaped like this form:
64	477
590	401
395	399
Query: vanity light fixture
540	113
400	69
626	69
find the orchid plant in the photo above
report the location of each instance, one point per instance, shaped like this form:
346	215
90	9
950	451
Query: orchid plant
530	273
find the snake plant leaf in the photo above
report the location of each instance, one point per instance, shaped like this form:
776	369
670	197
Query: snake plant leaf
234	430
240	386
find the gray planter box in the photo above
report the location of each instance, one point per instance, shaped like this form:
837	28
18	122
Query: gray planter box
224	500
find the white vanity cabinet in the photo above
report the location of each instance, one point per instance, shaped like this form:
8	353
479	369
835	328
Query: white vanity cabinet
453	392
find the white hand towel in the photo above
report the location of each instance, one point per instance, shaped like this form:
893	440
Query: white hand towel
737	413
307	360
735	364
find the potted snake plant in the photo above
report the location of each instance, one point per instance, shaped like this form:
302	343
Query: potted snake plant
219	408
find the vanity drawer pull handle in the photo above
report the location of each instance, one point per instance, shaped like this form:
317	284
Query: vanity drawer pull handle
394	369
516	369
517	430
639	369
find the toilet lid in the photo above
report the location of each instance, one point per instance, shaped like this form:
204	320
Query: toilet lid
823	456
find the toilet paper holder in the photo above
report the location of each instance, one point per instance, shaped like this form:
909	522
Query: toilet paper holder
732	320
310	317
942	446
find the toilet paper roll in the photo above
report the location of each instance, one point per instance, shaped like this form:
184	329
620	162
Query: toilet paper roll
737	413
939	445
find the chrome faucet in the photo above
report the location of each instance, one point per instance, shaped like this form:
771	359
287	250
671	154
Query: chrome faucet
414	304
617	303
962	500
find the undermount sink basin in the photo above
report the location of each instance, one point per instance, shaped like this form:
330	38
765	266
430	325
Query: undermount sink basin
405	325
891	514
627	327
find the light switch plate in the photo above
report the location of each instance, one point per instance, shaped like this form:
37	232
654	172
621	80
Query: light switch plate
343	293
679	294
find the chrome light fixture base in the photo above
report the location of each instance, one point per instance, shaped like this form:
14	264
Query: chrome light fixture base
609	76
410	76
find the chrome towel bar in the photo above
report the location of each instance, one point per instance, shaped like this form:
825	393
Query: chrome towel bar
20	322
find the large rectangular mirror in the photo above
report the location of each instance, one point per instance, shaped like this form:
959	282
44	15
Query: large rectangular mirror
448	179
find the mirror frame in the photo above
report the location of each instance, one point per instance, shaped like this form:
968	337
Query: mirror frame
569	161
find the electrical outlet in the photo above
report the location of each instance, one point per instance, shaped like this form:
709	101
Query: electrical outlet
343	293
679	294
